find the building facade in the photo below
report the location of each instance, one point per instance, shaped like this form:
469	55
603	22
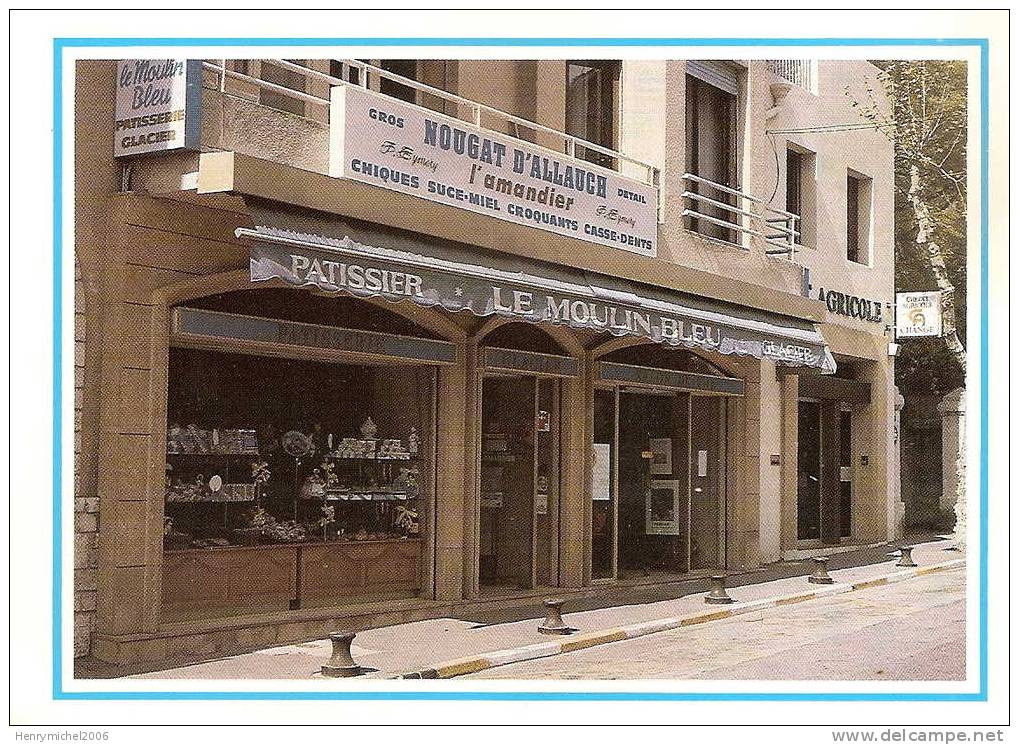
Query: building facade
368	341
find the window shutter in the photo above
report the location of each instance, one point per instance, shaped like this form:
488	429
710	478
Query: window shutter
723	75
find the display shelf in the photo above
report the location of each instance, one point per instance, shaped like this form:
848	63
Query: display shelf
297	544
211	501
222	455
369	496
385	458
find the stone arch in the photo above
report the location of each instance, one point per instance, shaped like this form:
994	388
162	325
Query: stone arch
728	366
164	298
560	334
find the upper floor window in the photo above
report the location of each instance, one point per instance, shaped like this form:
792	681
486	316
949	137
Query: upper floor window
801	192
858	217
592	104
343	71
712	92
406	68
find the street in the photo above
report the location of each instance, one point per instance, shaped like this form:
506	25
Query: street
911	630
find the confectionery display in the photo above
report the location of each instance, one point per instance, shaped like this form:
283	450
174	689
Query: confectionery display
302	486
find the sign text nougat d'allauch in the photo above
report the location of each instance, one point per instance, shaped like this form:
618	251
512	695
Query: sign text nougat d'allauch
410	149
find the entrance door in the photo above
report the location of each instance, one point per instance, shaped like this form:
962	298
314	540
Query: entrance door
824	496
808	501
707	474
519	481
671	482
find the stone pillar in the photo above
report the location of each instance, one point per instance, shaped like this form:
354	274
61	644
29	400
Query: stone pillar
86	500
772	409
953	460
575	527
744	545
451	454
790	459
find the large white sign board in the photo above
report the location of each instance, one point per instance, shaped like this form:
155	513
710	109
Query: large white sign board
384	142
917	314
158	106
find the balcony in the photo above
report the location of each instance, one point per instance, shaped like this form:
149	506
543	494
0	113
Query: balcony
800	72
279	110
305	92
737	218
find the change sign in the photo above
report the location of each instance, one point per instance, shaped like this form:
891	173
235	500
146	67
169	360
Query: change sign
387	143
917	314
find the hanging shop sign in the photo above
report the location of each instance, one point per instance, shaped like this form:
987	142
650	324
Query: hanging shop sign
358	273
918	314
158	106
851	306
380	141
517	360
677	380
193	325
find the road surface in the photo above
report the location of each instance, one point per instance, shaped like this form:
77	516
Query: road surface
910	630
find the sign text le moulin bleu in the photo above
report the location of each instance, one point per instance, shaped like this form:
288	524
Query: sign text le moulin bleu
158	106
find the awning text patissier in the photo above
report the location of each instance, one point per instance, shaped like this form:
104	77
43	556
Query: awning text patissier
536	306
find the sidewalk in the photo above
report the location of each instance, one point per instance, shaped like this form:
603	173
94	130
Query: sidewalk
395	650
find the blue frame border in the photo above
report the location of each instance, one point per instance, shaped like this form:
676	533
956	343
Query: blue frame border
59	44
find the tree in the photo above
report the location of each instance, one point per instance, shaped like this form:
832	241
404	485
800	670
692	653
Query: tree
925	118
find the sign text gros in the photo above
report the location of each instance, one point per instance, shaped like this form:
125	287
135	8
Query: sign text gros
405	148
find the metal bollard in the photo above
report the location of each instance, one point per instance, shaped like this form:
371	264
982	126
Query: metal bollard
820	575
341	664
553	623
718	595
906	557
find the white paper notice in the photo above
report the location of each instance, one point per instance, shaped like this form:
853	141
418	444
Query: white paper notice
601	472
702	463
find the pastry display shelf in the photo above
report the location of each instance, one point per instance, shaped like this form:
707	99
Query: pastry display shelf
379	458
210	500
220	454
367	496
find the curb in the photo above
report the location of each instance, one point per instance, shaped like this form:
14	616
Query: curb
486	660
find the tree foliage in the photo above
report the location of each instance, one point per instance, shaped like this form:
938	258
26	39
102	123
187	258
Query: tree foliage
925	117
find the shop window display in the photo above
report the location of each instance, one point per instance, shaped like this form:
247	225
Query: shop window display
270	451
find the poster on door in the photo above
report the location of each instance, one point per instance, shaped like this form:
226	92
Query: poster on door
601	472
662	508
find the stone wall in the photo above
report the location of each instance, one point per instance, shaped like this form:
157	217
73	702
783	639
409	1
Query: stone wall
921	469
86	502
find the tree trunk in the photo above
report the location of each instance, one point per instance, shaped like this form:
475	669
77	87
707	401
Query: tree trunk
925	239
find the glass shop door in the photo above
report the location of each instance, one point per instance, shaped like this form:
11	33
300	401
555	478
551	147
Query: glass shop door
707	482
519	521
665	511
808	512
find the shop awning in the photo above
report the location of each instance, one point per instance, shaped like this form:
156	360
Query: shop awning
311	249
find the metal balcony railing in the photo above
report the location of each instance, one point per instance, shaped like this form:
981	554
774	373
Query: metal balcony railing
475	110
734	213
797	71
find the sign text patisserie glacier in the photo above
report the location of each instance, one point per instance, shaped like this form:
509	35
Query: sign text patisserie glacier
157	105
